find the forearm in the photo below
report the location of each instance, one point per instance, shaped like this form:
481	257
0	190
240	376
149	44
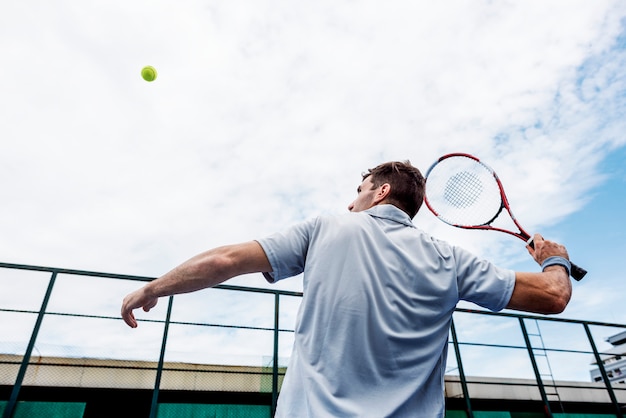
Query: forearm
207	269
547	292
204	270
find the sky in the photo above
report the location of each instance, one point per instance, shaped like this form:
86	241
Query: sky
265	113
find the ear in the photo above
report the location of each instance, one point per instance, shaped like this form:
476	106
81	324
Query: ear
383	192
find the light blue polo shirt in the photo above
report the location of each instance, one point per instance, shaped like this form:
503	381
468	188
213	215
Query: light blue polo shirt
372	330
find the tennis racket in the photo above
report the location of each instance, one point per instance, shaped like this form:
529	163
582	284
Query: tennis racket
464	192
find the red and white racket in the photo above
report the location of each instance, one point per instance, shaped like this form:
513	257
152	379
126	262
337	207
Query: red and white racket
466	193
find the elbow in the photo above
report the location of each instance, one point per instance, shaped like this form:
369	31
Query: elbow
560	293
557	307
558	303
546	293
210	267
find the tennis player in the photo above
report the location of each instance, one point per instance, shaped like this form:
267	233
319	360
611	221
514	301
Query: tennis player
371	334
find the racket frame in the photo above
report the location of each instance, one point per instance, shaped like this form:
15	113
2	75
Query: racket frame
577	272
504	202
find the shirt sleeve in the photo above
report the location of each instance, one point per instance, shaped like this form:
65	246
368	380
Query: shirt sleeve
287	250
482	282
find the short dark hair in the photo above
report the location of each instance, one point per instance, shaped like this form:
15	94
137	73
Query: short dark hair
406	181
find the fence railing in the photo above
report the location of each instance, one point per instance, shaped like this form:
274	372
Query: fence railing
55	321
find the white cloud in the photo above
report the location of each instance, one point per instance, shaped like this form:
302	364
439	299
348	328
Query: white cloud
266	113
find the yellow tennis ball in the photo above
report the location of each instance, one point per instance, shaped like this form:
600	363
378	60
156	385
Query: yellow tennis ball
149	73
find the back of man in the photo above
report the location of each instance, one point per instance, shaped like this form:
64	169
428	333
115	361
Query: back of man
371	336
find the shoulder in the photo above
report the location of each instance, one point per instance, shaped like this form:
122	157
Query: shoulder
329	226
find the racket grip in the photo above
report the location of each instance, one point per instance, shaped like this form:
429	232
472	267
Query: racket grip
576	271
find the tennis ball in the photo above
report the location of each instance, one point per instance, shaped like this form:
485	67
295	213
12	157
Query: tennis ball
149	73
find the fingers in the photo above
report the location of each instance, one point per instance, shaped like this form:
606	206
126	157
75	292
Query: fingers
127	314
129	318
531	246
150	305
542	249
538	238
552	248
134	301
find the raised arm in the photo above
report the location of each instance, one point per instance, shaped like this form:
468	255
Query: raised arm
207	269
547	292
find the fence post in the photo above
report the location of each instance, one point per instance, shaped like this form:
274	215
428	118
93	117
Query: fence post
459	363
10	408
533	361
275	360
605	377
157	381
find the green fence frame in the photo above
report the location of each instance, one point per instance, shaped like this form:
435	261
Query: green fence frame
10	406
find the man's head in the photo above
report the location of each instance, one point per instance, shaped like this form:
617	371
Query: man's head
396	183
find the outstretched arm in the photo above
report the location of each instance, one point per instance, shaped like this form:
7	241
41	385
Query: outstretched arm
207	269
547	292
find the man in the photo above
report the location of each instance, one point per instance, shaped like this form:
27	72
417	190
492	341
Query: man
372	330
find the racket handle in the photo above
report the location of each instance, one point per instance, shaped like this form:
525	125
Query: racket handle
578	272
575	271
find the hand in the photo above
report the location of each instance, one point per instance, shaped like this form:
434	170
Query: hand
542	249
138	299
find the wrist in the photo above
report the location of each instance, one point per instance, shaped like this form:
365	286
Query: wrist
557	261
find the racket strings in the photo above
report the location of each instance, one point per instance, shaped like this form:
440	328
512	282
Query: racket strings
464	192
463	189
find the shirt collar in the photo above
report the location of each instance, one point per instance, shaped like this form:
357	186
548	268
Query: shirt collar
387	211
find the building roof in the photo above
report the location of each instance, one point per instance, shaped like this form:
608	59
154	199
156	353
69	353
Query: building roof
617	339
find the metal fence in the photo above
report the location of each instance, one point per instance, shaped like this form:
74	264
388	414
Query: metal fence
61	328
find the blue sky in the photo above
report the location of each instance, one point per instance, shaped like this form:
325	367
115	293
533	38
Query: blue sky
596	235
266	113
